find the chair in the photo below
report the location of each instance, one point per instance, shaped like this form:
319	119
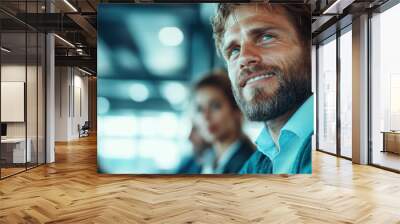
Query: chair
84	130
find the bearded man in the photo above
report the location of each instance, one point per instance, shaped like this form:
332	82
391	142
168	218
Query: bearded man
267	49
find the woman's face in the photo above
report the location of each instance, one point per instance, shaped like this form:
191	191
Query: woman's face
214	115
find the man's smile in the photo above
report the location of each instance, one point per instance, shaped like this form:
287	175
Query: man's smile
255	78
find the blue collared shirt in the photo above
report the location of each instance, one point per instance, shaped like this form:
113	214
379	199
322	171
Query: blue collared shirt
294	136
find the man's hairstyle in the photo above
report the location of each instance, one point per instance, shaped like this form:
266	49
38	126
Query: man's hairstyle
218	79
299	15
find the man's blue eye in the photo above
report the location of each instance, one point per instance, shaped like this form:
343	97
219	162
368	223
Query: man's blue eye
266	38
235	50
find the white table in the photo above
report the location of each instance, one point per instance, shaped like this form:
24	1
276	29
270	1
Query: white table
18	144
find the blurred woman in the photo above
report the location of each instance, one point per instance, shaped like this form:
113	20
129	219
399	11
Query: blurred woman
193	163
219	120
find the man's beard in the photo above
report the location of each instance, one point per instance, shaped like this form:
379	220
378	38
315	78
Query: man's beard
293	89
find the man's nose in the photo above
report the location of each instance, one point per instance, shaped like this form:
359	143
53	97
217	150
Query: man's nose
249	55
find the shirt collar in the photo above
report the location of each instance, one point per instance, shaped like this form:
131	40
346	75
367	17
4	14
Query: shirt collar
301	124
264	139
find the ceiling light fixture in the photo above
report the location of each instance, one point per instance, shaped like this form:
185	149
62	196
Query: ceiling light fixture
84	71
337	7
65	41
70	5
5	50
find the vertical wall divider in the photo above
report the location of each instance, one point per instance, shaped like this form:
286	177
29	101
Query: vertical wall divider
44	73
80	103
26	86
45	94
60	88
1	24
316	97
73	92
37	90
69	91
369	96
338	100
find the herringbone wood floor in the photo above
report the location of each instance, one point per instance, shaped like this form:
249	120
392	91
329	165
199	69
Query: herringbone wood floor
70	191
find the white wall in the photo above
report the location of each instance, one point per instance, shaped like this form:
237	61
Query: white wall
70	84
61	103
81	100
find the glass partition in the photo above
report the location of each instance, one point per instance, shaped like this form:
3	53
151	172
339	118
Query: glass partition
385	89
14	151
327	95
22	87
346	93
31	100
